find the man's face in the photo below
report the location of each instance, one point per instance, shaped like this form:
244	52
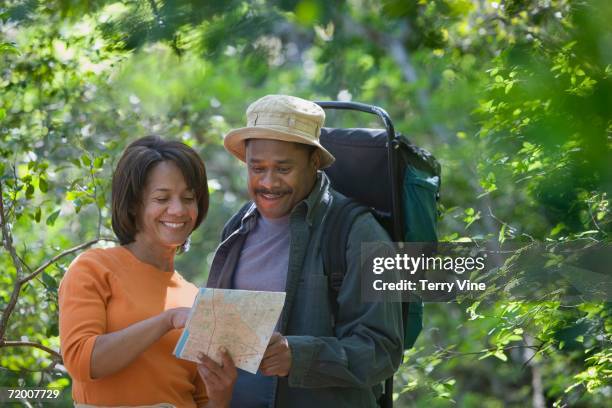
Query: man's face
280	175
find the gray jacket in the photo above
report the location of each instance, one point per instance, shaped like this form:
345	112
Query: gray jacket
339	363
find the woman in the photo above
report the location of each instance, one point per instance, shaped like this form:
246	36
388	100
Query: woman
121	308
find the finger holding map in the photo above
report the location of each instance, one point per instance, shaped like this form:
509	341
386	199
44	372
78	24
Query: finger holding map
218	378
277	358
241	321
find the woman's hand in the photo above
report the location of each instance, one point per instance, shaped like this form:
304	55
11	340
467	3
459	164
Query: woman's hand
219	379
177	317
114	351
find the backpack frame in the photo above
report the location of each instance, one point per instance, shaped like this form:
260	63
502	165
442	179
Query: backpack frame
344	212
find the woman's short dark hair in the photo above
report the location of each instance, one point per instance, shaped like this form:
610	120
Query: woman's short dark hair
130	177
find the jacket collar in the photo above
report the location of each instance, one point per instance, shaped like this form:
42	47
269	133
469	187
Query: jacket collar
319	196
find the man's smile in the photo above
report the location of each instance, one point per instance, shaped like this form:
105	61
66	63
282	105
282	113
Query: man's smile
271	196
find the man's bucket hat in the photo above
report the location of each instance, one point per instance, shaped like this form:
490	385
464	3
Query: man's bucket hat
280	117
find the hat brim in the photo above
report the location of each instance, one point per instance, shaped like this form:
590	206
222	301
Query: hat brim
234	142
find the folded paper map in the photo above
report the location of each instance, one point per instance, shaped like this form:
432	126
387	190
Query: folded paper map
242	321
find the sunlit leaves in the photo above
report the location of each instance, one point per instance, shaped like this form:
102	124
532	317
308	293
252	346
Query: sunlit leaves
8	48
512	96
470	217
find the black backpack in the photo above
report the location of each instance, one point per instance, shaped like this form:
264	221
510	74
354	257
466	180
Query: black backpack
380	172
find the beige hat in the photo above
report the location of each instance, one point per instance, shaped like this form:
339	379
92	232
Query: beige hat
280	117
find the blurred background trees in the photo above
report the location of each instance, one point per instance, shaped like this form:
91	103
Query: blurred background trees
513	97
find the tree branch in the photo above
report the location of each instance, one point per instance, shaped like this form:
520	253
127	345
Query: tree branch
20	282
20	279
452	354
158	18
7	238
47	369
57	257
398	53
537	398
7	242
55	354
95	196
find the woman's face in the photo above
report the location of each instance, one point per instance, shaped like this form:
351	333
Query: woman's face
169	208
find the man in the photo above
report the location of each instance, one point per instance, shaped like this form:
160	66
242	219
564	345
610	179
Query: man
319	357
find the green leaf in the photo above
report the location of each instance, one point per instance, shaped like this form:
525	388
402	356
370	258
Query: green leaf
100	201
37	214
60	383
52	329
43	185
557	229
8	48
51	218
472	311
486	355
29	191
49	281
86	160
501	355
72	195
98	162
502	234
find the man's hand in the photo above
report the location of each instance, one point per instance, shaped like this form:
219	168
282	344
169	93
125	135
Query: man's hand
277	358
219	379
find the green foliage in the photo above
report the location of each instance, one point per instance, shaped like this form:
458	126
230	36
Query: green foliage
513	97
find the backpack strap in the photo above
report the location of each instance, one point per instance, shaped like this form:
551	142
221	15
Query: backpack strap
338	223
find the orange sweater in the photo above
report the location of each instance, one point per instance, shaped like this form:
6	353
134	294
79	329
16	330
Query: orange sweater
106	290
